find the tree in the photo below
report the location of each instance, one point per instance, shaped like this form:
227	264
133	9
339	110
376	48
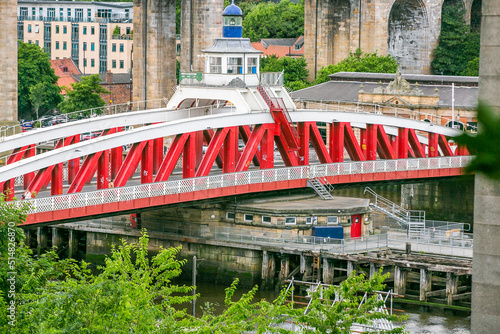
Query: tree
359	62
84	95
34	67
295	69
116	31
458	45
472	68
486	144
271	20
38	95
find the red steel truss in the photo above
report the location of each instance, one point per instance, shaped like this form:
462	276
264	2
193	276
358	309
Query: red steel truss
231	149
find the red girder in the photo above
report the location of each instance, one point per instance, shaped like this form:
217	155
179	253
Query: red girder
171	158
207	136
287	133
433	145
337	131
230	150
85	173
9	185
212	152
245	133
251	147
445	146
73	164
130	164
351	144
384	144
319	144
303	130
371	141
103	170
402	143
189	157
147	161
116	158
43	177
267	148
29	176
417	148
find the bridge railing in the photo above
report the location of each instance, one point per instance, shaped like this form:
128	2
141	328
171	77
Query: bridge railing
113	195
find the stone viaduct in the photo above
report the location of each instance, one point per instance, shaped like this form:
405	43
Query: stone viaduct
406	29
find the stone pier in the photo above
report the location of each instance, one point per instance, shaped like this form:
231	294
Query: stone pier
41	239
56	238
8	66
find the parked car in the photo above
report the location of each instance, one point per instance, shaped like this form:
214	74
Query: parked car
27	125
90	135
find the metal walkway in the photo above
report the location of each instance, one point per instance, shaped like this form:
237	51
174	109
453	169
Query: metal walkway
321	186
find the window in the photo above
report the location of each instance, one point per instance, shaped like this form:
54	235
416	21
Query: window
127	13
79	14
113	47
40	11
57	29
127	30
51	12
57	45
230	215
33	11
113	64
309	220
37	42
92	30
122	63
234	65
61	14
65	30
121	47
84	46
266	219
89	13
215	65
23	11
104	13
65	45
290	221
85	30
92	62
65	69
92	46
69	13
84	62
29	27
37	28
232	21
252	65
332	220
248	218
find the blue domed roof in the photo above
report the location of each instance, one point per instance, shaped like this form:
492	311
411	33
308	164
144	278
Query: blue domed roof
232	9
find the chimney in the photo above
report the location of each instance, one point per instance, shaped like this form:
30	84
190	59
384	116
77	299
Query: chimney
109	77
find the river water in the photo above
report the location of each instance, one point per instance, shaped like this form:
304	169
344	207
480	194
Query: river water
419	321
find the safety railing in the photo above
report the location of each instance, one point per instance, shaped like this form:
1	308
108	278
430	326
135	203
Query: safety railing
434	244
114	195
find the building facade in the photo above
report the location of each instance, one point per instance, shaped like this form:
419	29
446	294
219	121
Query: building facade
97	36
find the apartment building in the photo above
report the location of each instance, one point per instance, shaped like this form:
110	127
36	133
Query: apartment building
97	36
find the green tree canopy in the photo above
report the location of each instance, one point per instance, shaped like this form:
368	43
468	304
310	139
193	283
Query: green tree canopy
33	68
84	95
359	62
295	69
271	20
458	45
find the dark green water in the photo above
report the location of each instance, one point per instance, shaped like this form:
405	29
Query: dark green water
419	320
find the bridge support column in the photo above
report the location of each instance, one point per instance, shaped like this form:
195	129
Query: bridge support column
284	267
268	269
303	131
8	66
328	271
267	149
302	263
350	268
371	141
399	280
451	286
103	171
402	140
72	243
336	142
41	239
373	269
425	283
433	146
56	238
147	161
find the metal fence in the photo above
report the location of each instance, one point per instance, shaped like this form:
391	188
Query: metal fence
114	195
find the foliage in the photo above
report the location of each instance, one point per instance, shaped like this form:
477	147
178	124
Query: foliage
116	31
458	45
472	68
295	69
271	20
84	95
359	62
34	67
327	317
486	144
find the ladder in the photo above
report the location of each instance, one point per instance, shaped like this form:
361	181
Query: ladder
315	267
412	220
322	187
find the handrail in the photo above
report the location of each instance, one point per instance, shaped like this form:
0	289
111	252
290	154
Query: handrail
114	195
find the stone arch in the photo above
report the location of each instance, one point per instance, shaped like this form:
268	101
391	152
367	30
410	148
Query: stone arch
408	35
475	15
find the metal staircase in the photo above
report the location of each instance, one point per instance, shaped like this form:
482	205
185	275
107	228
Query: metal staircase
322	187
412	220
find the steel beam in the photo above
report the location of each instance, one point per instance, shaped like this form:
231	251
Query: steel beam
319	144
230	150
351	144
445	146
212	152
251	147
304	139
402	140
433	147
147	162
384	144
371	141
171	158
415	145
130	164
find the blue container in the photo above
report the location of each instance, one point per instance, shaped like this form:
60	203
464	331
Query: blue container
334	232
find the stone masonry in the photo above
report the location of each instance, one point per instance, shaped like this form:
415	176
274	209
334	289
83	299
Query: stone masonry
486	264
201	23
8	66
406	29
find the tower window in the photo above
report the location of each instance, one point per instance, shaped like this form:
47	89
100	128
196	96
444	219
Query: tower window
232	21
215	65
